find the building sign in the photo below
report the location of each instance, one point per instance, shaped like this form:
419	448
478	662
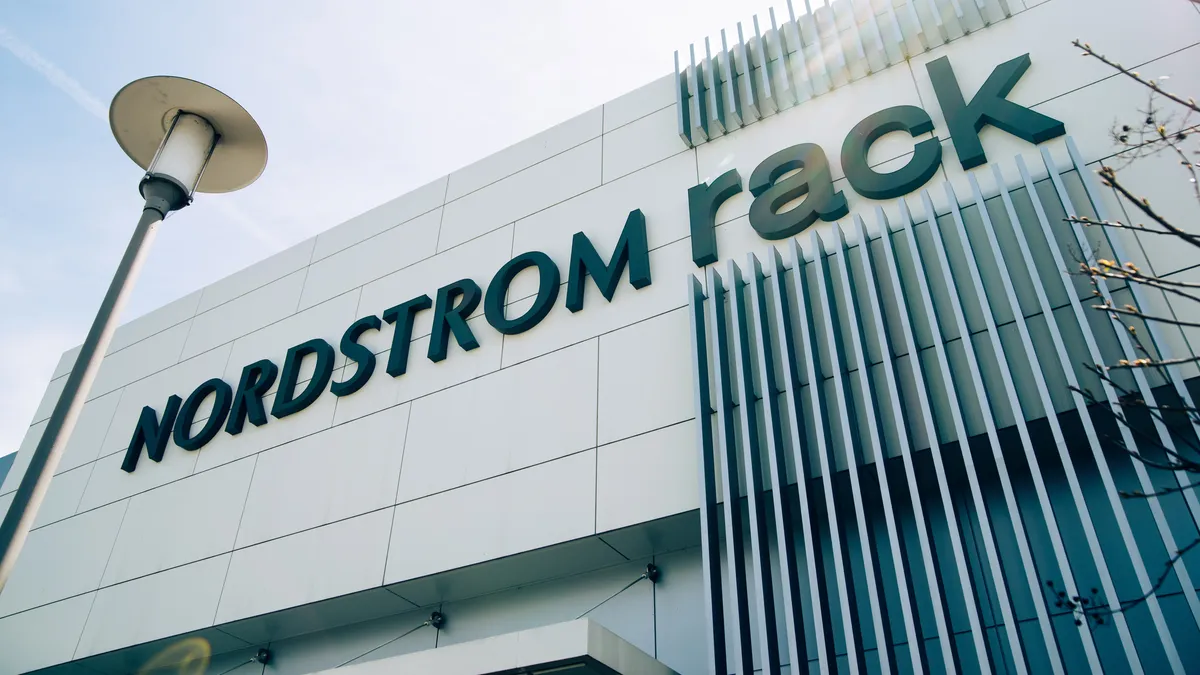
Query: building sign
772	187
799	171
233	407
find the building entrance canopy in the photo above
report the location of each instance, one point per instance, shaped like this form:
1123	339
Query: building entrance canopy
579	647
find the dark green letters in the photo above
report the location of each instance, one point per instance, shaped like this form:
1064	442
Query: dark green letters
632	249
926	159
791	190
187	414
287	402
989	106
497	292
771	192
151	434
364	357
703	201
403	315
257	378
451	317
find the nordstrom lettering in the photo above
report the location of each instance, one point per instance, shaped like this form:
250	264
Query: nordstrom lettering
232	408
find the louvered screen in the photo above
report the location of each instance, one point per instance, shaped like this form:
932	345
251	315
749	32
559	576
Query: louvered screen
768	67
905	493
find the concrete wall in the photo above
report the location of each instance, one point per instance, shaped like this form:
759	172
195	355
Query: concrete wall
578	427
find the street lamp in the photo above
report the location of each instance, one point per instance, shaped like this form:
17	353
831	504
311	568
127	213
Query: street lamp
189	138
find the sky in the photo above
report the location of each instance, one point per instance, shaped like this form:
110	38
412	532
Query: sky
360	101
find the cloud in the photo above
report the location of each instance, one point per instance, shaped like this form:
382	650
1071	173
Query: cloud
53	74
248	224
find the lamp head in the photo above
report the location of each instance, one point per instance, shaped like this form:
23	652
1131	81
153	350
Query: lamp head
188	135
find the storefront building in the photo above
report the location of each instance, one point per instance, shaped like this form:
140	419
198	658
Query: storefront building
485	427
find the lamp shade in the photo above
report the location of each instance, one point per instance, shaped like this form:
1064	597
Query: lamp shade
144	111
185	150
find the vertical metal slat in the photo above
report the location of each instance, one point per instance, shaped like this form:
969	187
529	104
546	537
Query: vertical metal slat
861	50
981	5
1106	477
710	546
1143	476
1139	298
731	91
833	340
957	414
1147	393
916	19
784	75
767	97
1010	391
897	29
792	48
699	105
763	359
808	348
749	89
970	599
874	438
816	74
727	434
937	20
814	557
712	93
760	554
822	61
683	116
1022	423
878	34
938	597
838	50
1056	432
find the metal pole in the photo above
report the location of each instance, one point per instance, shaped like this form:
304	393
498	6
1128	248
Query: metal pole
24	508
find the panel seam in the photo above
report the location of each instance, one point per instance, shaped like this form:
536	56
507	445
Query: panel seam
96	591
437	243
236	534
387	552
596	445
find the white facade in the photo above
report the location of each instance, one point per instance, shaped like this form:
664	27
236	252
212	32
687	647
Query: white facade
518	484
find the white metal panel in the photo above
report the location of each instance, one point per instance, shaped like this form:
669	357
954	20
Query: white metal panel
526	153
180	523
325	562
44	575
519	417
302	485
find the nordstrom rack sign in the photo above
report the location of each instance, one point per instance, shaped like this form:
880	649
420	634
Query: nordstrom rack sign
796	172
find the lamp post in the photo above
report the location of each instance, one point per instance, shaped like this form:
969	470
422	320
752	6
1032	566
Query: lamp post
189	138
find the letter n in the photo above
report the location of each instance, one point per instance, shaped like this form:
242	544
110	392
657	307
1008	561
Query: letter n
151	433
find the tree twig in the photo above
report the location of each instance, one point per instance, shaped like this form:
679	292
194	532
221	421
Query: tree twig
1109	177
1137	494
1087	49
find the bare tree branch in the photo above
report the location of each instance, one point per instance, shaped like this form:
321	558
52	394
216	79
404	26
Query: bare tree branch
1155	443
1109	177
1137	494
1130	310
1087	49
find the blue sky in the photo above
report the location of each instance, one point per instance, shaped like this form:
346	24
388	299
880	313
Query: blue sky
360	102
